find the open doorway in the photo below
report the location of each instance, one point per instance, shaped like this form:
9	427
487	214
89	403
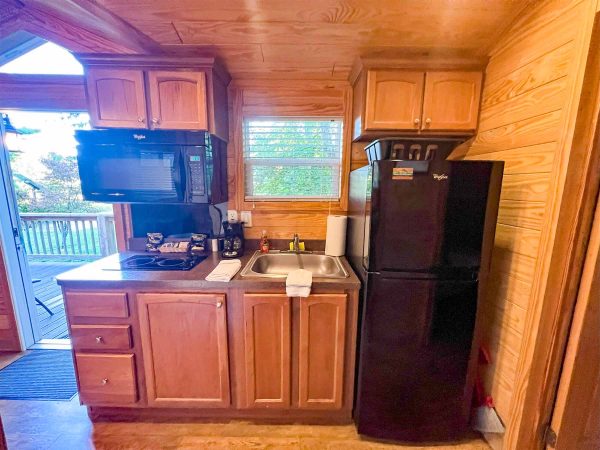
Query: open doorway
58	230
54	229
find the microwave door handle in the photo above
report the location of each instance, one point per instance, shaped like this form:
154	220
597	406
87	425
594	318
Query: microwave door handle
182	174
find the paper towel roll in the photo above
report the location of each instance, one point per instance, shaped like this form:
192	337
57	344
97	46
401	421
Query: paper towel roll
335	243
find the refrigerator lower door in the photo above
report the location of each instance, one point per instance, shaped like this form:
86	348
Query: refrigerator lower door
414	383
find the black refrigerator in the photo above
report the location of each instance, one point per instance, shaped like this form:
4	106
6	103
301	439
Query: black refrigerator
420	234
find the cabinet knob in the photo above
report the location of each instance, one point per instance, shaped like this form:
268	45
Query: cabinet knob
219	304
155	121
104	381
428	121
99	339
417	121
141	120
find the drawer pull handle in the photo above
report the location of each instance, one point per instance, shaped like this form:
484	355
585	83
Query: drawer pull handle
104	381
219	304
99	340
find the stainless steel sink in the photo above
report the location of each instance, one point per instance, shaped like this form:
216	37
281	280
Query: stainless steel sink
279	264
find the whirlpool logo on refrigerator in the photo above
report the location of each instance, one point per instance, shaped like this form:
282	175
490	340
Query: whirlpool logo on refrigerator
440	176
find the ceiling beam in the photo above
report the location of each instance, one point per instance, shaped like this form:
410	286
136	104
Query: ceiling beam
83	26
42	92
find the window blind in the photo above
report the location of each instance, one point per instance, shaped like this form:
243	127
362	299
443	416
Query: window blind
288	159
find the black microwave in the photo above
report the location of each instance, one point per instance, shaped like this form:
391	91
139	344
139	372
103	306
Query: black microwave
138	166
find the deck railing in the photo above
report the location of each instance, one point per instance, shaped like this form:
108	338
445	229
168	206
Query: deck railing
68	236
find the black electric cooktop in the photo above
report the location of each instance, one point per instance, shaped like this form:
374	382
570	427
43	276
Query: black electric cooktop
161	262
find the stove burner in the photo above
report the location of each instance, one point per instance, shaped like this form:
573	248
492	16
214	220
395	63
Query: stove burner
175	262
139	261
162	262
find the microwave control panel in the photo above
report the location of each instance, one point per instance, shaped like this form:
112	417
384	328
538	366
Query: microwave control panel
197	179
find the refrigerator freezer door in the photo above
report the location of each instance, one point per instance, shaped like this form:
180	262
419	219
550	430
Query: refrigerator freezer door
414	372
427	220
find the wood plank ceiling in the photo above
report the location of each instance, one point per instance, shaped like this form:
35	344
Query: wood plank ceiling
320	38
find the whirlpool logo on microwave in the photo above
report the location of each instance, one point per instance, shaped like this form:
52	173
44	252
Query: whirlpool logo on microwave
440	176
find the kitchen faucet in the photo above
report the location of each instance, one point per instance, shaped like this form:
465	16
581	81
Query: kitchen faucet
295	246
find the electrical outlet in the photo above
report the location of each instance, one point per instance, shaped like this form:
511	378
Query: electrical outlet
231	215
246	217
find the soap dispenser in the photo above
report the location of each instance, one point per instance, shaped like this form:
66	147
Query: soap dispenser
264	242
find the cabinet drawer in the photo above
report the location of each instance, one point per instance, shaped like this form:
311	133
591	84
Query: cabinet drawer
106	379
97	304
101	337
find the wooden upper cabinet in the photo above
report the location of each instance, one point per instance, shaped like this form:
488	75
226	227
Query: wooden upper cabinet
166	92
116	98
178	100
267	324
184	342
393	100
451	101
321	353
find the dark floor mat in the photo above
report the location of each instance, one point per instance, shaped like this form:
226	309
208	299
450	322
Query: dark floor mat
39	375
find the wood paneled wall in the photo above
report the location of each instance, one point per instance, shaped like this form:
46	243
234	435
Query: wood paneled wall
291	98
532	80
9	336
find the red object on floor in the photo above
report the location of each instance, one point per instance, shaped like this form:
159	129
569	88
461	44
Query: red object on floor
479	396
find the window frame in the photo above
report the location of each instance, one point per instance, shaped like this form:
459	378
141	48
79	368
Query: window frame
293	205
284	200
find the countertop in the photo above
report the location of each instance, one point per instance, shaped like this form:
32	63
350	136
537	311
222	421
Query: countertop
105	273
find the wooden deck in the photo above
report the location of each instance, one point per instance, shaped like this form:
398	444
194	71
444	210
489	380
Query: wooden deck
55	326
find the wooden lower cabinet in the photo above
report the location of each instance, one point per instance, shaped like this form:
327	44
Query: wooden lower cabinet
316	366
321	354
242	353
184	343
101	337
267	337
106	379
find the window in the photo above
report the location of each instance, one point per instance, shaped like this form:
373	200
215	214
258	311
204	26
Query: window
287	159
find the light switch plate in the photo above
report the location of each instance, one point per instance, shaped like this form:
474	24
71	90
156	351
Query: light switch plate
232	215
246	217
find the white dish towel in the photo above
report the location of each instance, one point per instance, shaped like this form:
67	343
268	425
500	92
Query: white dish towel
298	283
225	270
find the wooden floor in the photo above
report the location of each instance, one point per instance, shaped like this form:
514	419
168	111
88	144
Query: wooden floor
55	326
65	425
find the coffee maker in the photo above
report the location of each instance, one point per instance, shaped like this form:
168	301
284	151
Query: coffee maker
233	239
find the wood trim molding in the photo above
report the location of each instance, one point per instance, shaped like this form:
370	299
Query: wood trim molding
123	226
560	258
235	149
576	409
42	92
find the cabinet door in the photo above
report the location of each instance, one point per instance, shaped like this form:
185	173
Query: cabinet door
321	353
394	99
184	342
451	101
268	343
116	98
178	100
